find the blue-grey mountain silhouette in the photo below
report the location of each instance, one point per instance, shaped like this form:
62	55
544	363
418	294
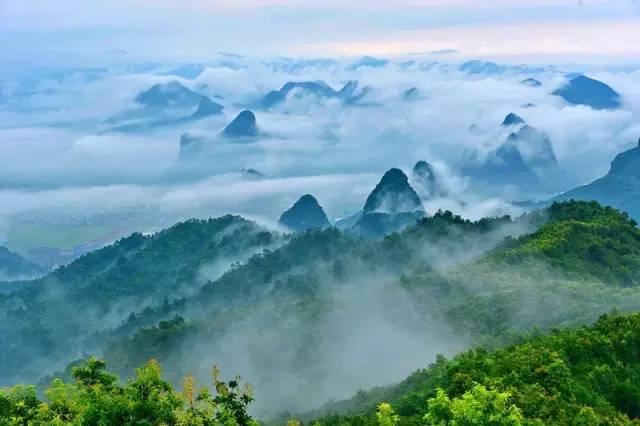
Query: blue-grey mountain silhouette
531	82
250	173
526	159
15	267
304	215
318	88
426	182
411	94
290	65
583	90
619	188
482	67
512	119
206	108
391	206
534	146
392	195
369	61
244	125
169	95
191	146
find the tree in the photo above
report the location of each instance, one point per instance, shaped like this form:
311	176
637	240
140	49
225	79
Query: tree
477	407
386	416
95	399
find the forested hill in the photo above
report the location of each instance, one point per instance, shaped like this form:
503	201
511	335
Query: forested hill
587	376
53	318
15	267
293	312
582	239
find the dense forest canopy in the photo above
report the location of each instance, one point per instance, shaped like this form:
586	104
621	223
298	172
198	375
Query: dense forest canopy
293	313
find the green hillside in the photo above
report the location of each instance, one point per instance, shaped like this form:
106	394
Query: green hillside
56	317
287	295
584	239
293	313
15	267
587	376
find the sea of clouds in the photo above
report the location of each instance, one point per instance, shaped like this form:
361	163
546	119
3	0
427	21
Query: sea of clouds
62	156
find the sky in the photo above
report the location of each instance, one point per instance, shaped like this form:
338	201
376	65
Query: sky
519	30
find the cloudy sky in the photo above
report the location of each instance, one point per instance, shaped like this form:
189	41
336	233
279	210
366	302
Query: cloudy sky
545	30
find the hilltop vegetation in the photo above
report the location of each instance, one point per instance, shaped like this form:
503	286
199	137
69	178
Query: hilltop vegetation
14	267
584	239
588	376
294	312
55	317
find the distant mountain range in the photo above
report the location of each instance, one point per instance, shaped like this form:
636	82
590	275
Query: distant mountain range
249	298
168	95
348	93
488	68
369	61
390	207
165	105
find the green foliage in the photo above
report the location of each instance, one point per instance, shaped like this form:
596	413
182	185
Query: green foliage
439	266
581	239
42	318
95	399
386	416
586	376
477	407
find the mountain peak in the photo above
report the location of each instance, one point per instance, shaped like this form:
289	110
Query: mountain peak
627	163
172	94
411	94
534	146
305	214
512	119
426	181
531	82
583	90
244	125
393	194
206	107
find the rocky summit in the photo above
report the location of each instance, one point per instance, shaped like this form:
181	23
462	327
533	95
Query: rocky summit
304	215
393	195
512	119
244	125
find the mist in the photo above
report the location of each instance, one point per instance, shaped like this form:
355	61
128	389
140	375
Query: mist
63	157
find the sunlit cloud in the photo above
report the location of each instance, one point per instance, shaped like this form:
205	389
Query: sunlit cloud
201	27
592	38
